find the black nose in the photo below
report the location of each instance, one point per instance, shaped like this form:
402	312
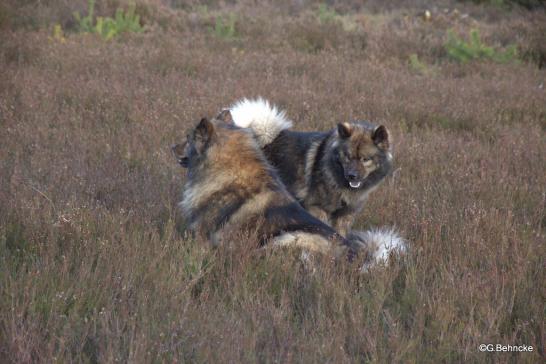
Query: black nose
351	176
184	162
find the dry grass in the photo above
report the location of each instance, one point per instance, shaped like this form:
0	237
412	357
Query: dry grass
94	262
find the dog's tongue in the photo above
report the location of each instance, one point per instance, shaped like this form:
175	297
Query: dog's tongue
354	184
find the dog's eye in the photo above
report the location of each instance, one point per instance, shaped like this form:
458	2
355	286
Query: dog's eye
365	159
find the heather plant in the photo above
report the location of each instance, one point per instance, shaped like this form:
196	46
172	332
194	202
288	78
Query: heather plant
474	49
96	264
329	17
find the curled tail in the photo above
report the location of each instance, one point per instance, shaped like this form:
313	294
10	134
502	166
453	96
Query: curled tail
263	118
378	245
375	246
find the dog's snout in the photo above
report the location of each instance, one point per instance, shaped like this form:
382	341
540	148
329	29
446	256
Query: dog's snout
352	175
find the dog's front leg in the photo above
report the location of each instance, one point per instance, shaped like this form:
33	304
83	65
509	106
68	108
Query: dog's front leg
343	223
318	213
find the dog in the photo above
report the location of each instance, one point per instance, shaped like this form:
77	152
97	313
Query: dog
230	186
181	153
330	173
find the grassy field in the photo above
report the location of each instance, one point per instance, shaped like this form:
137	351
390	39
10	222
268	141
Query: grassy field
95	265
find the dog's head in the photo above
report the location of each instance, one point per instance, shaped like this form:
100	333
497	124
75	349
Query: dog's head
201	138
181	153
362	150
190	152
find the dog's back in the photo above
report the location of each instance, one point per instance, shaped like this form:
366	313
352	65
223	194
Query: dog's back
231	186
289	154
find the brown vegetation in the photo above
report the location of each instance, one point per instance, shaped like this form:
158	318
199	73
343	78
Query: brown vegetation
94	262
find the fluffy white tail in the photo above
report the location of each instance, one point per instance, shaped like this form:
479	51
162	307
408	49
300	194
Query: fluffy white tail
379	244
263	118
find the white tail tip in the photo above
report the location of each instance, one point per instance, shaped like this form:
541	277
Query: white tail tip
263	118
379	244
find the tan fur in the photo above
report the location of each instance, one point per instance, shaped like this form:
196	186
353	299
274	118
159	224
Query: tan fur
255	205
231	187
196	196
234	153
304	240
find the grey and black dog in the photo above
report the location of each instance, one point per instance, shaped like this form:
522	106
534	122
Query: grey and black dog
330	173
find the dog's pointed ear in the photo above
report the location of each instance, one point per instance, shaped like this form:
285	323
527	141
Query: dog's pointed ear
225	116
381	137
344	130
204	130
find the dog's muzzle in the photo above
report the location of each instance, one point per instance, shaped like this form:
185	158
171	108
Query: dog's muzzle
355	184
353	179
183	161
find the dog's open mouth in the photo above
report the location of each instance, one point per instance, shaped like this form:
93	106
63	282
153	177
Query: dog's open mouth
355	184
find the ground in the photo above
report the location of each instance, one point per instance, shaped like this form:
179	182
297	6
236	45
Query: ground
95	264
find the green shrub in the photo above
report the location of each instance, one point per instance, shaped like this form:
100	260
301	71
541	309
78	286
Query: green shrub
416	65
325	14
462	51
58	33
529	4
225	28
85	24
5	15
491	2
108	27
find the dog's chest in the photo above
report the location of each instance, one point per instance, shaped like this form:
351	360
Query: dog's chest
327	199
